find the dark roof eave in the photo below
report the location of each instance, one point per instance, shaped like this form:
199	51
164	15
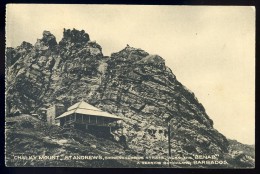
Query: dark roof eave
92	115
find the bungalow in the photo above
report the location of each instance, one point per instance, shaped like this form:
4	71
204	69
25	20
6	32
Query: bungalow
85	116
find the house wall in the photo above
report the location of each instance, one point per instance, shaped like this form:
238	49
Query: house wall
59	109
92	120
53	112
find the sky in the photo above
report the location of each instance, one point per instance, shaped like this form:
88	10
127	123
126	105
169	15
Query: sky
210	49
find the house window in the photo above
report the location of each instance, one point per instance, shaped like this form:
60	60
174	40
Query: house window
92	119
85	119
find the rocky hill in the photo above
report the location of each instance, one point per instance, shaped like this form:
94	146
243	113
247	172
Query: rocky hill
130	83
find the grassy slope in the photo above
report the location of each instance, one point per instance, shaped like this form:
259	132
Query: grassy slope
31	136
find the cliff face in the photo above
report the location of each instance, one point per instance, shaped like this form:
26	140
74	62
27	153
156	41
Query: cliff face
131	83
141	88
51	73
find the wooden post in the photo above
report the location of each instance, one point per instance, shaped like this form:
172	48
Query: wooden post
169	142
88	119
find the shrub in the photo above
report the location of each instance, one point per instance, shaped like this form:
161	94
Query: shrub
26	124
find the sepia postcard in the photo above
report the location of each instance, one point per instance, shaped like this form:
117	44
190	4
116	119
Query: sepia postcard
130	86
